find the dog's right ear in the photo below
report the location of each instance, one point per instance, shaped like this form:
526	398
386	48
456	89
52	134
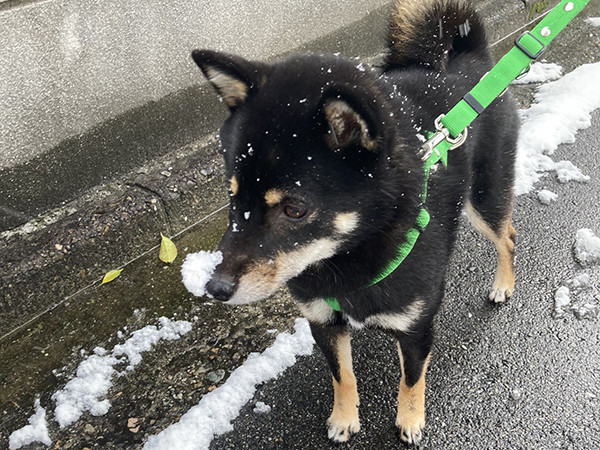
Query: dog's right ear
233	77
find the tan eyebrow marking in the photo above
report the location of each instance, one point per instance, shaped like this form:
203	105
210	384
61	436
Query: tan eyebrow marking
234	186
273	197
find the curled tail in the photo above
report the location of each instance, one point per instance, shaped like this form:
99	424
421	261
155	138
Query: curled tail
431	33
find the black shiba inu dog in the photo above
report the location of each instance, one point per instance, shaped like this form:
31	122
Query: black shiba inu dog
322	157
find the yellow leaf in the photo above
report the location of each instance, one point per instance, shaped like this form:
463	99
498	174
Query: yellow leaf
168	251
111	276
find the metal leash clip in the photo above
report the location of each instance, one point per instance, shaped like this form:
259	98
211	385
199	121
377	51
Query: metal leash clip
442	134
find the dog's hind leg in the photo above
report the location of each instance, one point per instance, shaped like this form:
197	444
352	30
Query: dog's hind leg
414	351
502	234
334	341
490	208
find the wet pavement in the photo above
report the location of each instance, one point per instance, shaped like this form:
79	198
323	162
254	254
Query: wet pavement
513	376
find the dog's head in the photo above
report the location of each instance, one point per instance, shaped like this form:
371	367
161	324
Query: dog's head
305	151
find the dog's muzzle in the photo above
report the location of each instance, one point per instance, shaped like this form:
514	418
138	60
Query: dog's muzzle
221	287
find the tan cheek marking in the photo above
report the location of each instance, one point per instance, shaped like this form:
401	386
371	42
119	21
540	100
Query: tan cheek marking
293	263
265	277
411	404
234	186
259	281
274	197
346	223
344	418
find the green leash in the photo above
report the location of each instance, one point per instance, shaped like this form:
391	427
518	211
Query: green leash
451	129
528	47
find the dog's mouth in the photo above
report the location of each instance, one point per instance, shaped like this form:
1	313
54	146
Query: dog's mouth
261	278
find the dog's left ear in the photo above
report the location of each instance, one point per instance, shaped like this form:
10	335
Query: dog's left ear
349	122
233	77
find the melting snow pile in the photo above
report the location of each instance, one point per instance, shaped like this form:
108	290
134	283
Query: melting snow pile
261	408
197	270
587	247
540	72
36	431
546	197
217	409
562	107
579	296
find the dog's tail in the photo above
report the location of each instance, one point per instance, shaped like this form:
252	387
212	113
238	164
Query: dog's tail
431	33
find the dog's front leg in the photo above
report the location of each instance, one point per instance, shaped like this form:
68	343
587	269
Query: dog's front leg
414	351
334	341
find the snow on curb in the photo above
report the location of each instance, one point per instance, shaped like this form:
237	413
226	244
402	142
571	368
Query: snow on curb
217	409
93	379
36	431
562	108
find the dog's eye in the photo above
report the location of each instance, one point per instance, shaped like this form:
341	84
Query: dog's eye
294	212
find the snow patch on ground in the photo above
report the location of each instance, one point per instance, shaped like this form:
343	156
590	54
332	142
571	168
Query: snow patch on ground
197	270
540	72
562	108
217	409
562	299
579	297
587	247
92	381
546	197
94	376
261	408
36	431
594	21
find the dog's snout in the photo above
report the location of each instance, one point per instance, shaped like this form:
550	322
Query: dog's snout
221	288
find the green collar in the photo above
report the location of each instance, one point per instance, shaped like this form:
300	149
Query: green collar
410	239
403	251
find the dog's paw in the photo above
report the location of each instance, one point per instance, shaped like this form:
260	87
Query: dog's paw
341	428
411	427
500	294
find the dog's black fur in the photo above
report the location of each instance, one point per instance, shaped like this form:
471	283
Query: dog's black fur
326	180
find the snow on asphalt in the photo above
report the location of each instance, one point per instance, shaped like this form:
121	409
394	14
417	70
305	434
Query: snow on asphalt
217	409
561	108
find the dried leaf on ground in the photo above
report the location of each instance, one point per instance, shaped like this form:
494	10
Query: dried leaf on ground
111	276
168	250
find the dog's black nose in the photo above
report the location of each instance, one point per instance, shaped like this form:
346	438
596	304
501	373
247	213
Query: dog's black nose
221	288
